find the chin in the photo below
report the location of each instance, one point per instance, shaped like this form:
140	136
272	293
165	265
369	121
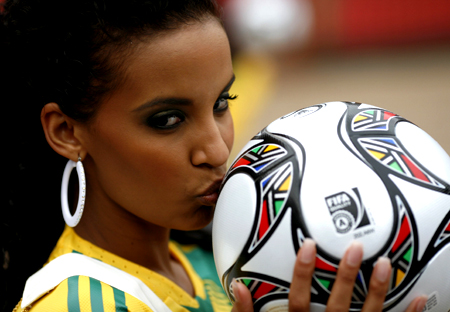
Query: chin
201	218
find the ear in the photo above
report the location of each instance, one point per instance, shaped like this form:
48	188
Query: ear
60	132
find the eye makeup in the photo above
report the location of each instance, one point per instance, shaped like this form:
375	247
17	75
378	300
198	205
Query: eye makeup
165	120
172	118
222	104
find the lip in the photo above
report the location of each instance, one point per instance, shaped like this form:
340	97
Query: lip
210	195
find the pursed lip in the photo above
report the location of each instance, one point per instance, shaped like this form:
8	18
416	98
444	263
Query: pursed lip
210	195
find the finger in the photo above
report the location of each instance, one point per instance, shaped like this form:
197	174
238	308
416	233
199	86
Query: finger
378	287
243	298
300	290
341	293
418	304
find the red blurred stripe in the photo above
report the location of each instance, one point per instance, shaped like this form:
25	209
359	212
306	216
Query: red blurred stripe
387	22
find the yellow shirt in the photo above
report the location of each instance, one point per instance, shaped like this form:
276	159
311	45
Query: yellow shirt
83	293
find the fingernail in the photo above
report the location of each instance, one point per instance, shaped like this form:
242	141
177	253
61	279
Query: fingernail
307	251
421	304
234	287
354	254
383	269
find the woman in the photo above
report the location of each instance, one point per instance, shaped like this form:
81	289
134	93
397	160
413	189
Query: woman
136	93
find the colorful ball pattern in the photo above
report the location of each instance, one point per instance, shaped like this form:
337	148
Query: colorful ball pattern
337	172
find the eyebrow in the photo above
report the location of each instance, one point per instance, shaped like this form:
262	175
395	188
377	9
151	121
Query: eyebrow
175	100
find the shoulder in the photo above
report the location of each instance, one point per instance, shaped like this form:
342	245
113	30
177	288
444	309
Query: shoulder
73	282
83	293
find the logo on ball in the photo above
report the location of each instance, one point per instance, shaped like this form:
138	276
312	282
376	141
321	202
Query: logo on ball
347	211
343	221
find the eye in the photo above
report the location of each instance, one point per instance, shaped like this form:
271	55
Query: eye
221	104
166	120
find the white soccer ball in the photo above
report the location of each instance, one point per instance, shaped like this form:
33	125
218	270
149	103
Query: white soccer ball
337	172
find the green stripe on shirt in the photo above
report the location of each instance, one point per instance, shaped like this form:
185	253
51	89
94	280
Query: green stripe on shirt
119	298
96	295
73	304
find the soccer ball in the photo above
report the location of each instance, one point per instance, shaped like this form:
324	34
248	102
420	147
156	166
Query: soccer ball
337	172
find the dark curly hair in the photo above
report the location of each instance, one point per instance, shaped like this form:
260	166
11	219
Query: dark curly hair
70	53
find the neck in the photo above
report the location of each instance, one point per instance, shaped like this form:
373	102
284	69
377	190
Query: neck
136	240
127	236
115	229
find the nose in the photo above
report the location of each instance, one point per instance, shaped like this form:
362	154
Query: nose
212	145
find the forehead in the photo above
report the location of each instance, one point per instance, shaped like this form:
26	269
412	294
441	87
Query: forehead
181	60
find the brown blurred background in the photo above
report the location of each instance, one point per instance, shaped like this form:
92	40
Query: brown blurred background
290	54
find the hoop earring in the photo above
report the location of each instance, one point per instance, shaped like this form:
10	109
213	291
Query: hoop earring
70	220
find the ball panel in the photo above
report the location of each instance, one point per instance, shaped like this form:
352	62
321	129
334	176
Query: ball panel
424	149
246	147
234	214
274	192
401	251
259	157
262	291
345	139
428	207
372	119
434	282
310	121
274	252
388	152
351	204
341	197
444	235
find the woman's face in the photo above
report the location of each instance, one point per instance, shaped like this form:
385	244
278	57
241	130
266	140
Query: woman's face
158	146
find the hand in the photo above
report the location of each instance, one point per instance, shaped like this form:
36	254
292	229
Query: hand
340	297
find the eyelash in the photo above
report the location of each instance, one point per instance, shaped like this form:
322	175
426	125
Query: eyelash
160	120
224	97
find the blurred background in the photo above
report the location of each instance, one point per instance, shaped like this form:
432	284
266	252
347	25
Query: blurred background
290	54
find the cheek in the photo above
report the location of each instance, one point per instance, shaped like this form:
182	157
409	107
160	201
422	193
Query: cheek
150	166
135	174
131	161
161	167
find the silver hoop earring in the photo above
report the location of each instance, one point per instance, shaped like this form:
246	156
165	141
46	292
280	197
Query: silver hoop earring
72	221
